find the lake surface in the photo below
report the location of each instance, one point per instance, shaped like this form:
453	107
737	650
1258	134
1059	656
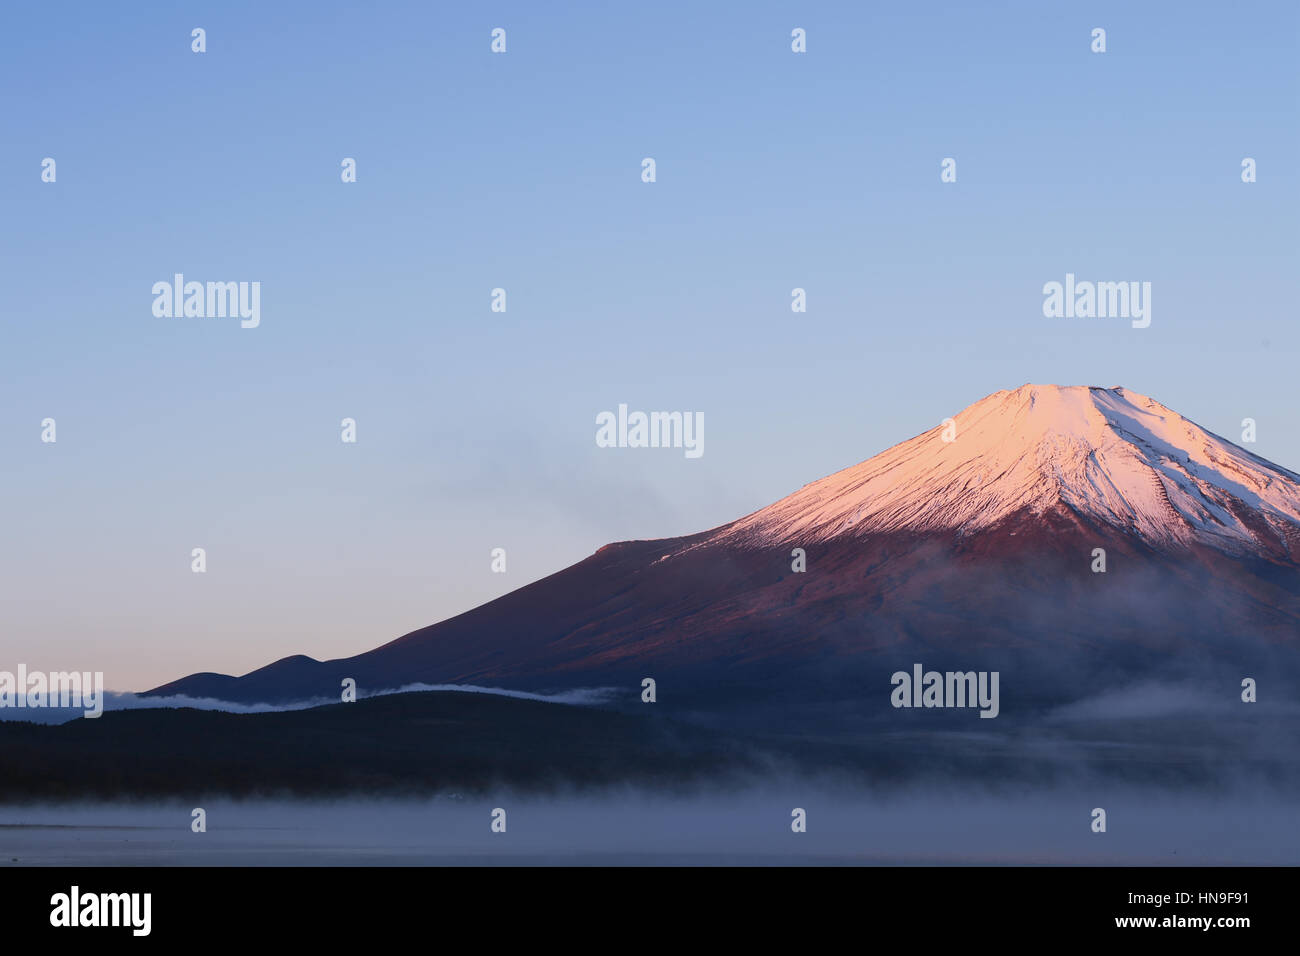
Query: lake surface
639	829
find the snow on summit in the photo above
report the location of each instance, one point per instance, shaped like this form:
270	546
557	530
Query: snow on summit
1109	454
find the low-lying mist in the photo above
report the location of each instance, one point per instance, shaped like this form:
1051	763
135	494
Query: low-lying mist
636	827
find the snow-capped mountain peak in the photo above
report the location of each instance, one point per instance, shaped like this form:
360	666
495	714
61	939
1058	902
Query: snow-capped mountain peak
1109	454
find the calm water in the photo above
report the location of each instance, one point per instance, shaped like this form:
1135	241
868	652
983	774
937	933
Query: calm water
750	828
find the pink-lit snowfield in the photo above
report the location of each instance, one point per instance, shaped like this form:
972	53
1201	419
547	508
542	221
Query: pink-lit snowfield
1118	457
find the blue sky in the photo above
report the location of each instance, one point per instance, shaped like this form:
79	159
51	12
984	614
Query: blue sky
522	171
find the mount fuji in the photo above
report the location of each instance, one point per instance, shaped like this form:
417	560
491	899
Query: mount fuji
978	543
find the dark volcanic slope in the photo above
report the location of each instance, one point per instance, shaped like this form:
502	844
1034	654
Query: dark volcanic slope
718	619
974	552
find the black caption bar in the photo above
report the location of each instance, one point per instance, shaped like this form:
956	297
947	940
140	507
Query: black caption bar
328	905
